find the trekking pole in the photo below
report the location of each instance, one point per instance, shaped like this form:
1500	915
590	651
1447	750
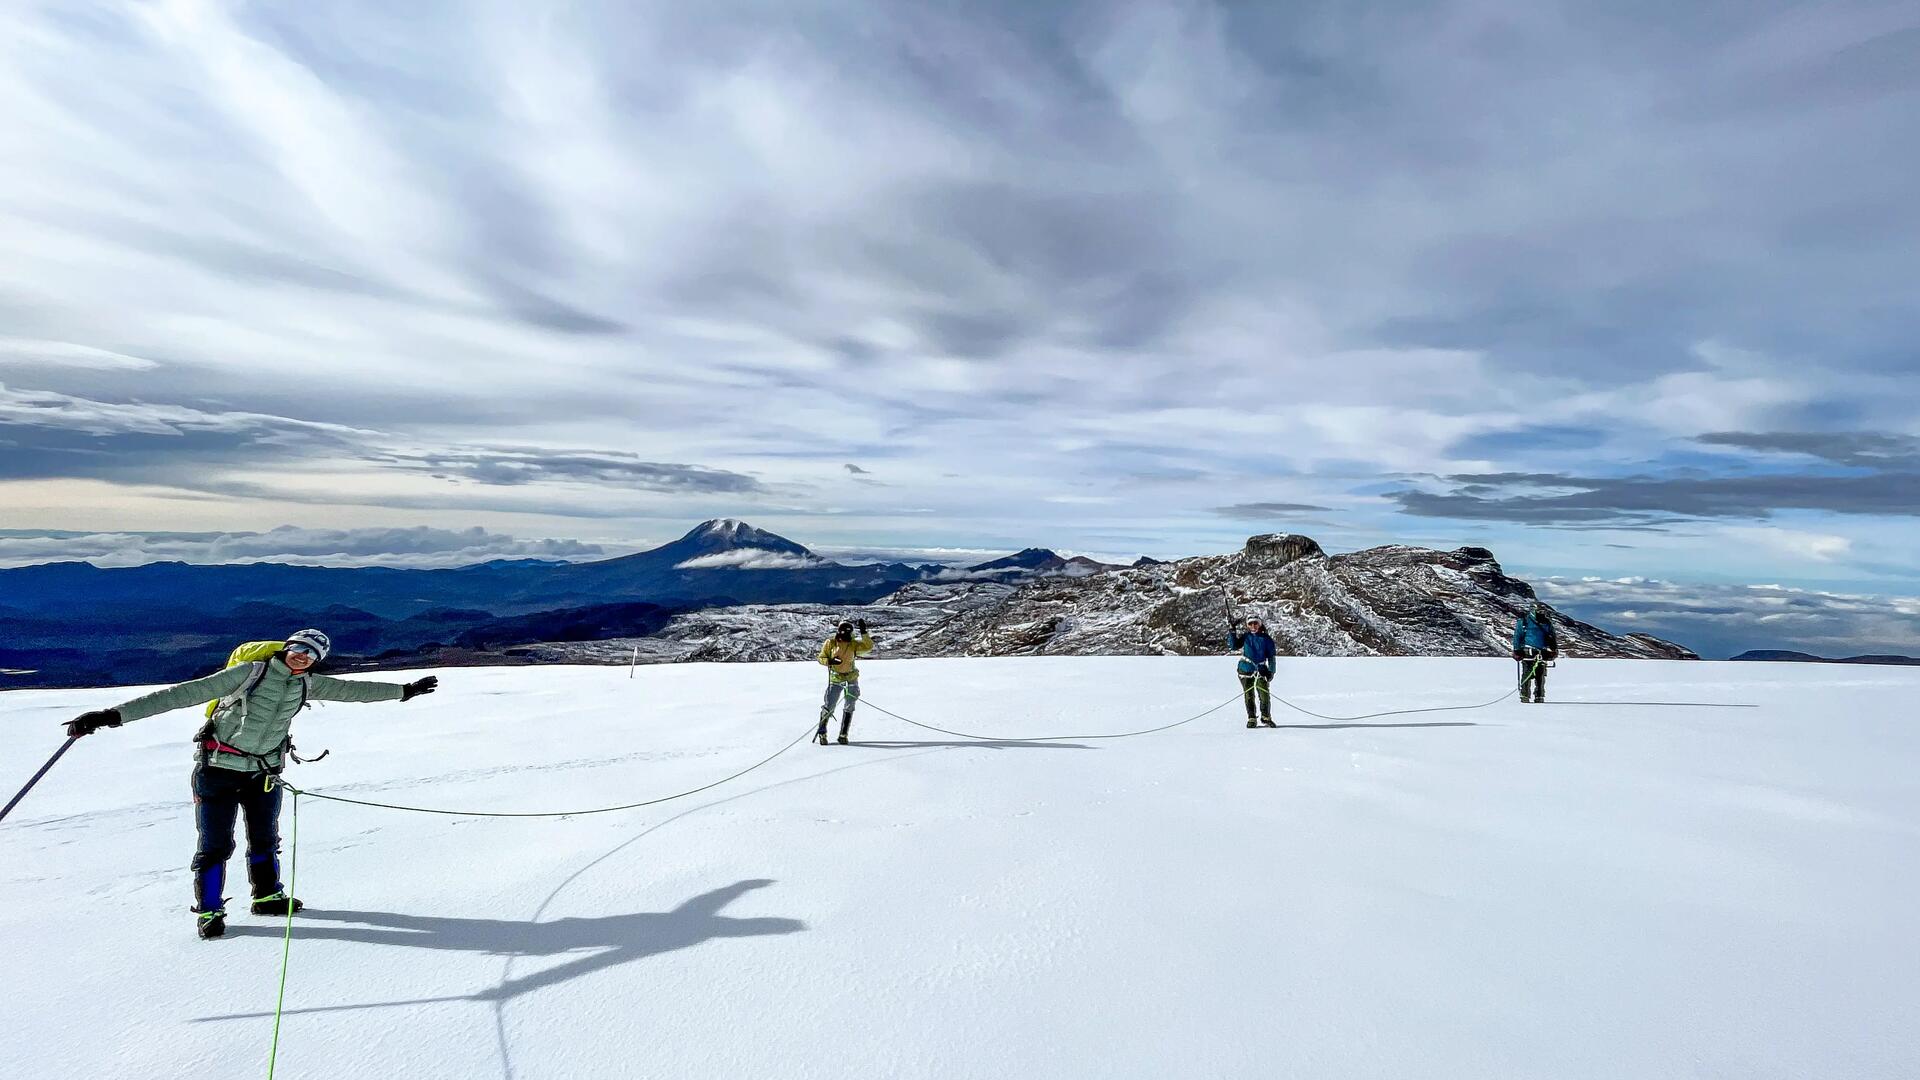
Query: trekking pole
15	801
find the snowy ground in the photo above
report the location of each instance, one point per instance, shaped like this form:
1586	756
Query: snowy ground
1557	891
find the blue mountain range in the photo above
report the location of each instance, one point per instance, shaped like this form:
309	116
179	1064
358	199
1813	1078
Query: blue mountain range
73	623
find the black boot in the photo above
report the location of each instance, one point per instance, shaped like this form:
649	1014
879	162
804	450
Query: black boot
213	923
845	723
275	904
1251	722
1267	721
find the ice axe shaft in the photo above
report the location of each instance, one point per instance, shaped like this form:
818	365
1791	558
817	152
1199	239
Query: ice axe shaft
15	801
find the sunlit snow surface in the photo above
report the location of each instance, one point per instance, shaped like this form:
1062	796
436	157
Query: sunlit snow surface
1522	891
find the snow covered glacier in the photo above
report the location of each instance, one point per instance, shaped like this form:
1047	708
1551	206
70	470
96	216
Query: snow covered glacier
1588	889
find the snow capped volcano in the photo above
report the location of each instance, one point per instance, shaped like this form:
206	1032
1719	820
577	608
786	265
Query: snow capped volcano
731	534
728	543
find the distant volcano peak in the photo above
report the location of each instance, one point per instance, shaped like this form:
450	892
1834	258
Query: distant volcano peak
727	534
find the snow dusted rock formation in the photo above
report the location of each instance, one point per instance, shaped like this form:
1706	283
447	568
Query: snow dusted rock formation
1385	601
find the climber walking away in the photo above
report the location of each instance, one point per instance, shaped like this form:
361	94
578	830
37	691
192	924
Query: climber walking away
1534	646
839	654
239	752
1257	652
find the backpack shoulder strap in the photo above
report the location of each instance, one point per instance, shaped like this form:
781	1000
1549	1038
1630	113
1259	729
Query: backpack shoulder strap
253	683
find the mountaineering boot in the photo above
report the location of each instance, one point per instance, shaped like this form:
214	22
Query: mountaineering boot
263	876
1267	721
845	723
820	736
1526	698
1251	722
213	923
276	904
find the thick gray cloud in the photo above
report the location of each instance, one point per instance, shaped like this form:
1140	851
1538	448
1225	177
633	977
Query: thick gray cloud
59	435
1866	449
1257	510
420	547
1562	499
1718	621
515	465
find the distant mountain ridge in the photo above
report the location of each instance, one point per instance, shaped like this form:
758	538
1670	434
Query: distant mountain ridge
66	622
69	624
1788	655
1385	601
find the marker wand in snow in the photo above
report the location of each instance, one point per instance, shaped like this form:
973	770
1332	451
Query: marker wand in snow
15	801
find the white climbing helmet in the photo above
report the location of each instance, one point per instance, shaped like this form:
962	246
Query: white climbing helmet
314	640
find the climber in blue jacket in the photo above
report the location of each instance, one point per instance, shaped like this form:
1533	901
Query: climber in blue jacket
1534	646
1257	652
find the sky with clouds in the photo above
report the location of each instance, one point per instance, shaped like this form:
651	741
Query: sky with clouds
1618	291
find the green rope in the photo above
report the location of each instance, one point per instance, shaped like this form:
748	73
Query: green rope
286	941
558	813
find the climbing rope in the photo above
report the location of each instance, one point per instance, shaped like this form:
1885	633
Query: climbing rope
286	941
556	813
1397	712
1259	684
1051	738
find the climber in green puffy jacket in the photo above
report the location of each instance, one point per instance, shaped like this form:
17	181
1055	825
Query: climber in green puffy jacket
237	754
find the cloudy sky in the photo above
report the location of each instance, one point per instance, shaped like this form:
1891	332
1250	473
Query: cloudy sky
1621	291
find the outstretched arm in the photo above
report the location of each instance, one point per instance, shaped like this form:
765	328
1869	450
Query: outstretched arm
326	688
195	692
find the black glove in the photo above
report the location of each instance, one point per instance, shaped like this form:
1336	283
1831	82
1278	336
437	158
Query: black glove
1553	654
1518	655
419	686
89	722
861	624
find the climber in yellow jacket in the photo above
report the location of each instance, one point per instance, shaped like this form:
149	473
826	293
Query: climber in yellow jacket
839	654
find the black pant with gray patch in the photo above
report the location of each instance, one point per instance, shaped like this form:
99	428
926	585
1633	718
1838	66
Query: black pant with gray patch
1260	681
1533	669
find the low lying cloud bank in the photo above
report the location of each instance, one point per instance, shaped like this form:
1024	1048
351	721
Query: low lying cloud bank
751	559
419	547
1718	621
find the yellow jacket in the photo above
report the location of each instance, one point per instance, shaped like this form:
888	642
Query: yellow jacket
839	656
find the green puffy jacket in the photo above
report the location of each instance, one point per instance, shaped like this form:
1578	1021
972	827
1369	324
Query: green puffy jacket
259	722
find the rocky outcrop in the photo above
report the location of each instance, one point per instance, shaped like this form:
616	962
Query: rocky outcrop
1385	601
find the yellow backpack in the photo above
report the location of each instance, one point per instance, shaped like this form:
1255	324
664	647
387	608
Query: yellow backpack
249	652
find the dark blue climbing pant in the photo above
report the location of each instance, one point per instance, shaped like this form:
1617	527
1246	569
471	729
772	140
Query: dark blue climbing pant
219	797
